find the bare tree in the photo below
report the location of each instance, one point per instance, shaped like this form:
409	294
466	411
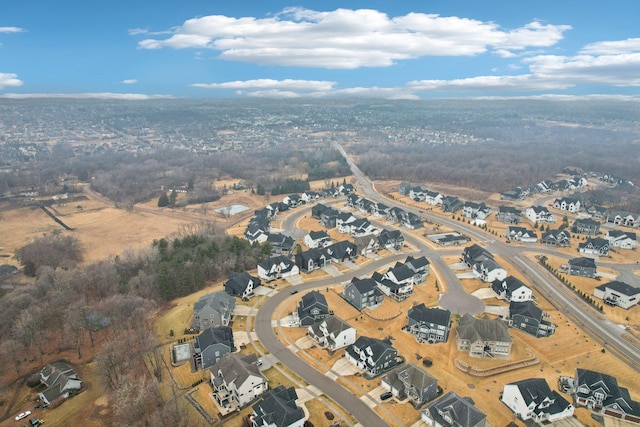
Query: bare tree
12	350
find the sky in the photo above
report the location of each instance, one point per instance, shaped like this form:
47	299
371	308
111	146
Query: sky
412	49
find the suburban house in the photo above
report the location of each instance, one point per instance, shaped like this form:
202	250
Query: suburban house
277	267
346	189
395	214
489	271
533	399
451	204
316	211
379	209
362	227
293	200
601	393
312	308
452	410
332	333
515	233
545	186
509	215
539	214
528	317
278	408
412	382
367	244
582	267
411	221
621	239
341	251
317	239
433	198
363	293
512	289
626	219
281	244
586	226
405	188
475	253
60	381
475	210
309	196
311	260
418	193
560	238
618	293
372	355
567	204
211	345
237	381
429	324
343	222
352	200
256	232
398	290
597	212
516	193
483	337
391	239
329	217
594	246
241	284
213	310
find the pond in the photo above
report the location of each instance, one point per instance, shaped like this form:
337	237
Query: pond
232	209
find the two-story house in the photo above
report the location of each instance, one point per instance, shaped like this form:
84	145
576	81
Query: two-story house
601	393
372	355
278	408
412	382
391	239
509	215
59	381
312	308
317	239
539	214
621	239
363	293
241	285
594	246
585	267
483	337
528	317
332	333
429	324
533	399
512	289
211	310
560	238
521	234
237	381
277	267
618	293
211	345
567	204
452	410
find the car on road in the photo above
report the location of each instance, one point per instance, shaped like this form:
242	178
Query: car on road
386	395
259	362
22	415
295	291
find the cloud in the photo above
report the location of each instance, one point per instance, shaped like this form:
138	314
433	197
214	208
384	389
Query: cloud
11	30
129	81
100	95
349	39
9	79
518	83
268	84
612	47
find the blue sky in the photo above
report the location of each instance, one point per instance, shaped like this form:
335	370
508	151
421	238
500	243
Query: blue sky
398	50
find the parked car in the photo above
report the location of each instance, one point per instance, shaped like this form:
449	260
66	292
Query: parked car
427	362
295	291
386	395
22	415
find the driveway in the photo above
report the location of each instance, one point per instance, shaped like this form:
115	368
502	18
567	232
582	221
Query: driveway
331	270
484	293
294	280
344	368
466	275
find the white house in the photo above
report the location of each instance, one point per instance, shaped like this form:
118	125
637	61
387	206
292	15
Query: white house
621	239
567	204
512	289
539	214
489	271
332	333
618	293
433	198
60	381
532	399
237	380
317	239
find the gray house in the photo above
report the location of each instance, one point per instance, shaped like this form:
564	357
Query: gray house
483	337
585	267
586	226
412	382
594	246
528	317
601	393
211	345
60	380
509	215
451	410
213	310
278	408
363	293
560	238
429	324
312	308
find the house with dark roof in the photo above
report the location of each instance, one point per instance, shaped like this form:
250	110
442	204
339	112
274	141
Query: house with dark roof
343	222
362	227
317	210
452	410
586	226
309	196
618	293
395	214
451	204
411	221
528	317
521	234
367	244
410	381
475	210
311	260
585	267
516	193
433	198
277	267
483	337
293	200
391	239
372	355
560	238
405	188
317	239
60	381
601	393
341	251
509	215
417	193
512	289
626	219
363	293
346	189
621	239
312	308
281	244
533	399
237	381
328	217
429	324
379	210
278	408
567	204
332	333
241	284
211	345
594	246
489	271
211	310
475	253
257	231
539	214
597	212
